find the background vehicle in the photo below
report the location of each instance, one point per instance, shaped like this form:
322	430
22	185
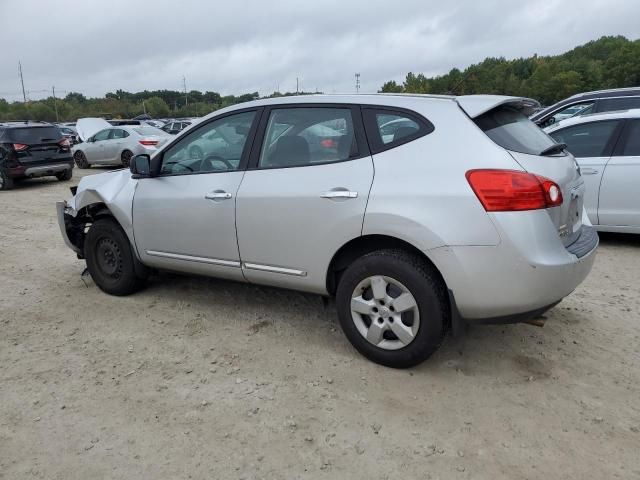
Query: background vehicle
488	229
607	148
586	103
69	133
107	145
175	127
33	149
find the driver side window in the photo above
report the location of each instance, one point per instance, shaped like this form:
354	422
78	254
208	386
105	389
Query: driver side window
214	147
102	135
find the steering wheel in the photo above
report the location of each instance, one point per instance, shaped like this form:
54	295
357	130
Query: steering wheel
207	163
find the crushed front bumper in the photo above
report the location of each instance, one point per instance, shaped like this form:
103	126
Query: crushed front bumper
63	219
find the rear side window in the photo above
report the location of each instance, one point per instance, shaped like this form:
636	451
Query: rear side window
389	128
297	137
511	129
632	145
34	135
119	133
587	139
613	104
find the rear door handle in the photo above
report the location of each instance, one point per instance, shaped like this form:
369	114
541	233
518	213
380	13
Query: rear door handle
339	194
218	195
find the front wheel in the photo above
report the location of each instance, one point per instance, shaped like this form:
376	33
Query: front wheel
393	308
110	258
81	159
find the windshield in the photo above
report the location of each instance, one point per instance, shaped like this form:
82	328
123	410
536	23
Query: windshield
511	129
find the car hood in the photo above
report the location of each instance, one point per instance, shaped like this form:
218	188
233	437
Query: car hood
86	127
476	105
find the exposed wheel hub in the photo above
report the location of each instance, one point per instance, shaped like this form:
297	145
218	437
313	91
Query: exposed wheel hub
108	257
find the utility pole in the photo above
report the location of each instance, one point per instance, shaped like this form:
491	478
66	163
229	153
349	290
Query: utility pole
184	85
357	83
297	83
24	95
144	108
55	102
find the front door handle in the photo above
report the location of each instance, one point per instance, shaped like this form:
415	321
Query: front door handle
218	195
588	171
339	194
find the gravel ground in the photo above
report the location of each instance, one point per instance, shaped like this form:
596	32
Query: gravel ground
198	378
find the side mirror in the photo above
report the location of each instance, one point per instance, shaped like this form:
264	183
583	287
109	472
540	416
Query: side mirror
140	166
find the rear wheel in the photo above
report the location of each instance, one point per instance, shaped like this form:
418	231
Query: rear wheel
126	158
110	258
65	176
6	182
81	160
392	308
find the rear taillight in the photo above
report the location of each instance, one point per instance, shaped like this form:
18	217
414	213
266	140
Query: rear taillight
65	143
18	147
510	190
149	143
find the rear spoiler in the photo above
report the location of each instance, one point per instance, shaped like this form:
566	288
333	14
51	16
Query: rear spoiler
476	105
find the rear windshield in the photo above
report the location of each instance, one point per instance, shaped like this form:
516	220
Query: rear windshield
149	131
511	129
34	135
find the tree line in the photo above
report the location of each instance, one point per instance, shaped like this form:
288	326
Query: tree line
609	62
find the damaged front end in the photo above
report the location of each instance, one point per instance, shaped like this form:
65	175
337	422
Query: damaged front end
74	226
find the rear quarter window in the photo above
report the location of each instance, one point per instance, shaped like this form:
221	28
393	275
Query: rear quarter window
389	128
512	130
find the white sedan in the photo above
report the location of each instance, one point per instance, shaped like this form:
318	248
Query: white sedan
607	148
104	144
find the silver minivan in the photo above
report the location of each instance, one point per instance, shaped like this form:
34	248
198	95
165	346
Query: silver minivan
417	213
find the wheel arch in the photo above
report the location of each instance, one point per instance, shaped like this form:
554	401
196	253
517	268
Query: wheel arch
364	244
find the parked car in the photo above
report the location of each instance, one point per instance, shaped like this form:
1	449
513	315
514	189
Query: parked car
607	148
586	103
33	149
104	144
69	133
474	214
175	127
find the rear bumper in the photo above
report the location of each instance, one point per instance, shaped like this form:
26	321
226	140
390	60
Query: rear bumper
527	273
40	170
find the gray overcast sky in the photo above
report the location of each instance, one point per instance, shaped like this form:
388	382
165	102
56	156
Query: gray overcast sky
236	47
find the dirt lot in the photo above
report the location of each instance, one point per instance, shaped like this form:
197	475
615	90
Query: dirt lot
197	378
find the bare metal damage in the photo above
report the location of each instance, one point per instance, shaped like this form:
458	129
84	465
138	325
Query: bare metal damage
97	195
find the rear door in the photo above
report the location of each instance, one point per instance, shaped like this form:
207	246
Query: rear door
115	144
620	188
304	195
592	144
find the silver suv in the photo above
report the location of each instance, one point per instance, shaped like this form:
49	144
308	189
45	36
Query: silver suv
418	213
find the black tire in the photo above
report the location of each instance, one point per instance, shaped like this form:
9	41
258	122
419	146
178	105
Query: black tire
6	182
110	259
65	176
81	160
126	158
425	286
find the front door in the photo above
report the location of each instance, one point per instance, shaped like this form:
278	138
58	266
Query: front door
184	219
304	195
620	188
95	150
